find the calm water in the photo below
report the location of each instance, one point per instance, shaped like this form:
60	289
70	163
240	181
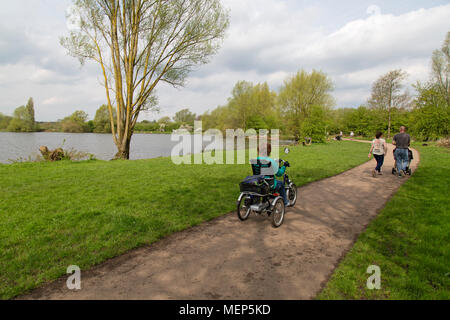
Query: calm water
14	146
22	145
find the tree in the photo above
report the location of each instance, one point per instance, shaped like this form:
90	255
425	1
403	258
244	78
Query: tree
4	121
164	120
302	91
250	107
147	126
21	121
185	116
387	94
139	43
441	69
431	116
30	112
315	126
240	105
101	120
75	123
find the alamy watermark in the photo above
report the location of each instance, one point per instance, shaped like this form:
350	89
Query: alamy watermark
191	150
74	281
374	281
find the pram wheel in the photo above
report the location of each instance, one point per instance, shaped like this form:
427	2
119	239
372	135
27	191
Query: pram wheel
394	171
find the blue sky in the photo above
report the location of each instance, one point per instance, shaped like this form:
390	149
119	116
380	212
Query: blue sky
354	42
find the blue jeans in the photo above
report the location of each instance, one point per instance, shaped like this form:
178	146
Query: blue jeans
380	161
282	191
401	156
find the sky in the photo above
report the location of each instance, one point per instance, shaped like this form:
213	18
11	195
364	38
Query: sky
354	42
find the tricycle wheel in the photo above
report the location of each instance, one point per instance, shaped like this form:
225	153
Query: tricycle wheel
278	213
292	195
243	208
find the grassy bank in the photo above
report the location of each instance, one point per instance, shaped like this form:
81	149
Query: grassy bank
67	213
409	240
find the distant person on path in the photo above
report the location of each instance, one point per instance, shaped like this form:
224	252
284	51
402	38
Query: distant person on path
379	150
352	134
402	142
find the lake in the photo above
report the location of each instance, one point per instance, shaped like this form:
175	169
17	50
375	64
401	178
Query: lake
22	145
14	146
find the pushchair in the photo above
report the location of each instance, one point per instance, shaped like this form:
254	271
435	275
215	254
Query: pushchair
408	168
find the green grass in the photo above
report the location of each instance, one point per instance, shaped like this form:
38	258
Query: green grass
409	240
81	213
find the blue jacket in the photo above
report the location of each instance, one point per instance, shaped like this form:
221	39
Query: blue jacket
276	168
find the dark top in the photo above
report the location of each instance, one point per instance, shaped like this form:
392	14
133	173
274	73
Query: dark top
402	140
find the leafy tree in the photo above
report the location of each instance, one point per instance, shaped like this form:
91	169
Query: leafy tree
185	116
75	123
240	105
256	122
219	118
164	120
441	70
250	106
30	112
90	126
387	93
139	43
21	121
102	122
315	126
300	93
147	126
430	119
4	121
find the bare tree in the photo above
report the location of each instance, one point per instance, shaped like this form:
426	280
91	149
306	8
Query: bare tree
139	43
387	94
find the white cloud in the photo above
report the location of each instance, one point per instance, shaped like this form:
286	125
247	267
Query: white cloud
267	41
275	41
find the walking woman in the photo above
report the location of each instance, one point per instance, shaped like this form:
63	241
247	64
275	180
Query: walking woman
379	150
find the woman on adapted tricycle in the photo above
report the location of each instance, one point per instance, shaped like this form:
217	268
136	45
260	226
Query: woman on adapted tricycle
263	193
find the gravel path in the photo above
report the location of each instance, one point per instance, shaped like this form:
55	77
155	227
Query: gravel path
229	259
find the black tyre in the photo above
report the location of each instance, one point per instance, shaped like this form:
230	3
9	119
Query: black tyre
292	195
393	171
243	208
278	213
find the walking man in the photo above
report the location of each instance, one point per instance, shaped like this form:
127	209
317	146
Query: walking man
402	142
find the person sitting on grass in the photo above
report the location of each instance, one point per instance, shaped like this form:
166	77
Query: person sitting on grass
379	150
401	141
278	186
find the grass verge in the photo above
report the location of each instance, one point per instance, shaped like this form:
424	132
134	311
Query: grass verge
81	213
409	240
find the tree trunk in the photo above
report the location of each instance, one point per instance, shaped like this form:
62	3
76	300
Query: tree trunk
123	152
389	124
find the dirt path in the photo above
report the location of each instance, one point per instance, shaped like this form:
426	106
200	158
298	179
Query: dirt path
229	259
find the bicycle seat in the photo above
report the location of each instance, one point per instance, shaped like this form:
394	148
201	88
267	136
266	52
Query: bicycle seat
261	167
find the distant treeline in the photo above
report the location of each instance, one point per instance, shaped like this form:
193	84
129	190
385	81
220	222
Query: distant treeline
23	121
